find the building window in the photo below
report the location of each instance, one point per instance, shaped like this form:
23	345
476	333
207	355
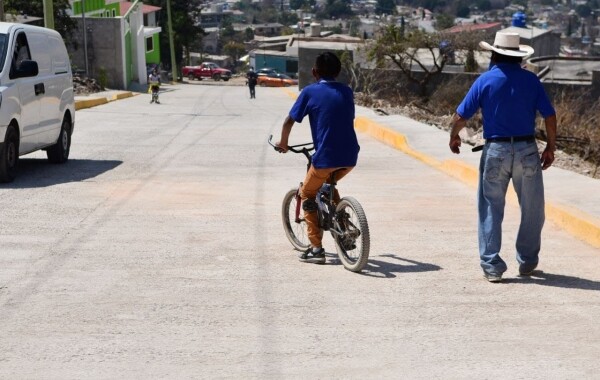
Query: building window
114	13
107	13
149	44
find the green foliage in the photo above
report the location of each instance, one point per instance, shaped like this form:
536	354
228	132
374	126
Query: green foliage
62	21
336	9
583	10
234	49
483	5
102	77
248	34
471	65
387	7
443	21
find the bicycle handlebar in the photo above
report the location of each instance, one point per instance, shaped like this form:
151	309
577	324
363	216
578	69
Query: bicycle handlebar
307	147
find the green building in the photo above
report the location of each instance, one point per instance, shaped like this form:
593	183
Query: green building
119	8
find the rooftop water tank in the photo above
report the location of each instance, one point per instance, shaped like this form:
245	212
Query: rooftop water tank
519	19
315	29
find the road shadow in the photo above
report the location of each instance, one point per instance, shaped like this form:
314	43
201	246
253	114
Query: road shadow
40	172
389	269
557	280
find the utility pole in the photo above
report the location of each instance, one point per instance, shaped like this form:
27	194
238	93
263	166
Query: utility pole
2	18
48	14
85	49
171	43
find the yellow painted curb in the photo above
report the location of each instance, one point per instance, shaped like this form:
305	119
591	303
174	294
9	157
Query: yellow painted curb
576	222
80	104
93	102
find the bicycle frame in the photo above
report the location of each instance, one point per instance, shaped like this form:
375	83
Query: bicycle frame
327	208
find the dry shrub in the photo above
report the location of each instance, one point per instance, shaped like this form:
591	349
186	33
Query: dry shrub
578	115
448	95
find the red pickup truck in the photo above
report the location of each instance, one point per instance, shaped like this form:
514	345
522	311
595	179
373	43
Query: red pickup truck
206	70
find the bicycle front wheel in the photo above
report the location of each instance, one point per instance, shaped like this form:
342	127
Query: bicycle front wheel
295	227
352	241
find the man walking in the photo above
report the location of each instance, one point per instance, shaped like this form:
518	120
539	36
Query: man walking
252	78
509	97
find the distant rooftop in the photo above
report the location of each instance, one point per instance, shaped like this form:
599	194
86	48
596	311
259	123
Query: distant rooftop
474	27
528	33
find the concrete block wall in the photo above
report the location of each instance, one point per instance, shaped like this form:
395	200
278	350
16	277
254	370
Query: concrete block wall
105	50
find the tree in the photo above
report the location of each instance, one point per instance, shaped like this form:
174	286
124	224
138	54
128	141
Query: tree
361	80
387	7
336	9
583	10
443	21
62	21
417	49
235	50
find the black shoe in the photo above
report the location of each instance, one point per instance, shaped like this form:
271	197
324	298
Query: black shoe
492	277
309	256
526	270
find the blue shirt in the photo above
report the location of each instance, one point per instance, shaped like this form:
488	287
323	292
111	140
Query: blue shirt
330	109
509	97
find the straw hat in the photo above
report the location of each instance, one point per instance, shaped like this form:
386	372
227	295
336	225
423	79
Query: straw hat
507	44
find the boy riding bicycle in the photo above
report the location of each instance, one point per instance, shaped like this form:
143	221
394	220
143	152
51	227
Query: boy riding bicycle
154	82
330	109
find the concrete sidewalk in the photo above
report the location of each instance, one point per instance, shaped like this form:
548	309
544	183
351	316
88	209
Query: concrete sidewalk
571	199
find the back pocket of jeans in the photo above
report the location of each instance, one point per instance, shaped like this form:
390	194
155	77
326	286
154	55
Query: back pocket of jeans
531	164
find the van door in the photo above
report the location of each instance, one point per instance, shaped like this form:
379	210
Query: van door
29	91
42	48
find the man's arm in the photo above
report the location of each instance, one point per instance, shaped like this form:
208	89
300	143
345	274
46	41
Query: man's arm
457	123
285	134
548	153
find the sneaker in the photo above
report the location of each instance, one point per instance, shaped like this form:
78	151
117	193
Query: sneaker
525	271
492	277
310	256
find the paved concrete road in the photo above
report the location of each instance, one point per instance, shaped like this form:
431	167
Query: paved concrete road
158	252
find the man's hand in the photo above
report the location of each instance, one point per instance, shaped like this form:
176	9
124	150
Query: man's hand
455	144
547	158
457	123
280	147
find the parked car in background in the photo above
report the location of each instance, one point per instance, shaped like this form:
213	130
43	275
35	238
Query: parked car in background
276	80
265	71
206	70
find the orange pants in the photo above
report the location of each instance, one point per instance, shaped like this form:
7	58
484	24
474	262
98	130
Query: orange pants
315	178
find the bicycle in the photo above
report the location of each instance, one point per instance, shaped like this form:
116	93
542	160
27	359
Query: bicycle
154	88
346	221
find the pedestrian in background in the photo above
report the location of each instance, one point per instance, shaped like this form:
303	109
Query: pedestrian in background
252	78
509	97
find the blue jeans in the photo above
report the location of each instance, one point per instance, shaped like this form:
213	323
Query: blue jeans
501	161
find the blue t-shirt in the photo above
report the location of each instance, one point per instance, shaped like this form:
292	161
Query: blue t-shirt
330	109
509	97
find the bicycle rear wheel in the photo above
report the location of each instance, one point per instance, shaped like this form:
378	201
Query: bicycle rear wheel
354	242
295	229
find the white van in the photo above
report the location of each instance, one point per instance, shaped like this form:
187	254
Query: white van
37	107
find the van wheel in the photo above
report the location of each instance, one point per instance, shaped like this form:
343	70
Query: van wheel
59	152
9	156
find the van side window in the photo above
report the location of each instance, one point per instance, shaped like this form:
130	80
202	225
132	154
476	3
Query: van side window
20	53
